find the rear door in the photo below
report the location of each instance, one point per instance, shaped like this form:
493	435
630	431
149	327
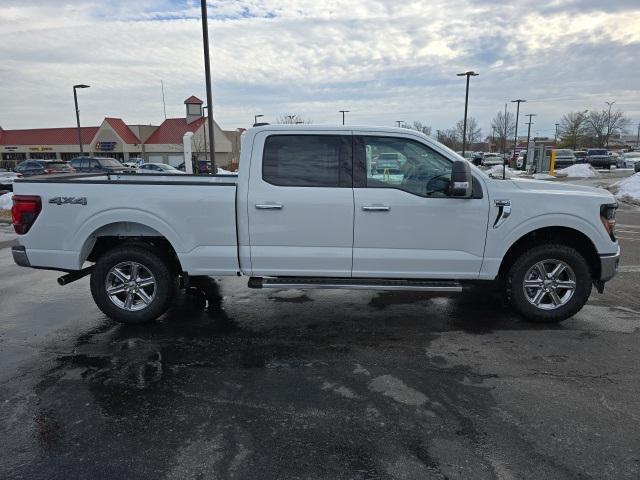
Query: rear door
300	204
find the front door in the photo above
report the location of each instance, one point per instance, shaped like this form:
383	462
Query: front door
300	204
406	225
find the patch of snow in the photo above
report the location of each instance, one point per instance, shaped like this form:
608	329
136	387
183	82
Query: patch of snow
5	201
496	172
222	171
543	176
627	190
579	170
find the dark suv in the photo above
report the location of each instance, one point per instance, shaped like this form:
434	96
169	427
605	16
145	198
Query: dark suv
29	168
599	157
98	165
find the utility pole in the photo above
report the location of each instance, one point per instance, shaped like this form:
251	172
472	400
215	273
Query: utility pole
207	74
530	115
609	121
466	105
343	112
515	137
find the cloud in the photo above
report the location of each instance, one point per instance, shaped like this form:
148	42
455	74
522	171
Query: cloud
383	60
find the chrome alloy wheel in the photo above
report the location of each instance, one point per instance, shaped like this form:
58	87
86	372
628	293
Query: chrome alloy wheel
549	284
130	286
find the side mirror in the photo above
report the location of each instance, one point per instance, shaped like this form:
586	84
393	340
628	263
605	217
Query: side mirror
461	184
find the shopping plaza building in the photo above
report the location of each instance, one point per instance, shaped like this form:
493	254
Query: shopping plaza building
116	139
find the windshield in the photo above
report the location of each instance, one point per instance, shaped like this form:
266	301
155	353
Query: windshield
597	152
109	162
564	153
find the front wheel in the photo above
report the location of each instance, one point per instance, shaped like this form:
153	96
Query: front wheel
132	284
549	283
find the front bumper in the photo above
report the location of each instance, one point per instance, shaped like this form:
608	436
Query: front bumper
20	256
609	266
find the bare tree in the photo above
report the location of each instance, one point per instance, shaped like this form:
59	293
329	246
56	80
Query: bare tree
599	125
572	129
504	127
418	126
292	119
449	138
474	132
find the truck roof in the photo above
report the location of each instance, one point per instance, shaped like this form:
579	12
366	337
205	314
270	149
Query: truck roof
329	127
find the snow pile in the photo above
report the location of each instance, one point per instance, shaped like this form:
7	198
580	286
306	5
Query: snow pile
222	171
496	172
5	201
627	190
579	170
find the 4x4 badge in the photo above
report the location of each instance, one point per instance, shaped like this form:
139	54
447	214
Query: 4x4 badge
68	200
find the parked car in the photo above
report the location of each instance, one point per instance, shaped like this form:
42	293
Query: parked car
581	156
204	167
99	165
564	158
492	159
522	158
630	159
599	157
302	213
159	168
29	168
388	162
7	178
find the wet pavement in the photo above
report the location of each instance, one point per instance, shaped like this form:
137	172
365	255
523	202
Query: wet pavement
246	384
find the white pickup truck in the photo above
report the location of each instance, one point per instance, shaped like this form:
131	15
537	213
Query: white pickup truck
307	210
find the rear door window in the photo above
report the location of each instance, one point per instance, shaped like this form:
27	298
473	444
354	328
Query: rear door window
307	160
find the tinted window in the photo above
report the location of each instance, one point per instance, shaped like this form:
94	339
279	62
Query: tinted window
110	162
598	152
307	160
404	164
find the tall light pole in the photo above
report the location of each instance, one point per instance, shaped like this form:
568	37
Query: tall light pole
343	112
75	100
609	121
557	128
638	136
399	122
515	137
291	117
207	74
466	105
255	119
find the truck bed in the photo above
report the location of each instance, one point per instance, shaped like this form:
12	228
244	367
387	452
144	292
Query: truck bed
196	214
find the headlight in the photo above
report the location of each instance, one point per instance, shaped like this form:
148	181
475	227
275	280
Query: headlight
608	218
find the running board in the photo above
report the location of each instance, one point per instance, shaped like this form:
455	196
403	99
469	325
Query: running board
356	284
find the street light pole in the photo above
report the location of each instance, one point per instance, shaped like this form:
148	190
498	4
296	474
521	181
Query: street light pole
466	105
638	136
556	139
609	121
291	117
255	119
399	122
515	137
75	100
343	112
207	73
206	107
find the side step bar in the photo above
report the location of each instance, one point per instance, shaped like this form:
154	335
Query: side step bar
356	284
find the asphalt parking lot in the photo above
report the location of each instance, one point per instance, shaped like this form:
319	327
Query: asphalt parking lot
252	384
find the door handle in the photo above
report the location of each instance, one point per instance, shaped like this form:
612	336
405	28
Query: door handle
268	206
376	208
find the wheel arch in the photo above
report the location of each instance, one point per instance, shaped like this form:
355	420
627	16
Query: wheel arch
556	234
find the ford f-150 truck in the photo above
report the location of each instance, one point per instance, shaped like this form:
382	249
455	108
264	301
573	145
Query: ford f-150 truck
307	210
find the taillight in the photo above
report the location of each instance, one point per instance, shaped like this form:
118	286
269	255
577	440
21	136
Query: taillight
24	212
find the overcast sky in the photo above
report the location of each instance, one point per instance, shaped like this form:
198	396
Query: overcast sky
384	60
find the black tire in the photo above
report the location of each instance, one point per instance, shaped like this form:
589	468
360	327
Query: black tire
548	252
164	287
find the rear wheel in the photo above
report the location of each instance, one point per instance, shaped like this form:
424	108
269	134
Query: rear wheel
132	284
549	283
